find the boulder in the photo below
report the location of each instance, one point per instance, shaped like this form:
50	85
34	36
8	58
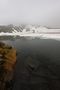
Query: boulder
7	64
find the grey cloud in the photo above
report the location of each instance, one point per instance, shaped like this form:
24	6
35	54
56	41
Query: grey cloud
43	12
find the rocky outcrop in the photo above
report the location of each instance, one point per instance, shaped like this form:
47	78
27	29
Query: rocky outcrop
7	64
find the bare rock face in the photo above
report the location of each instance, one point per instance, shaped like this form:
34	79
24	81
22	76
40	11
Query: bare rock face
7	64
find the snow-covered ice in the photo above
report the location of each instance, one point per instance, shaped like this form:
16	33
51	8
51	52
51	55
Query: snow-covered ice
33	31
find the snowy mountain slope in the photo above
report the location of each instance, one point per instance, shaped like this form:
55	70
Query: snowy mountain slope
27	29
31	31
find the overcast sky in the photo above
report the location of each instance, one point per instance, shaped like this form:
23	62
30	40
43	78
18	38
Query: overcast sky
43	12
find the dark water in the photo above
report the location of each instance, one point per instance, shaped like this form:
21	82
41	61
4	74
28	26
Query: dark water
38	64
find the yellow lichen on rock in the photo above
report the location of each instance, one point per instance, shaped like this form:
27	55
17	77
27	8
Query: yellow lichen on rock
9	56
8	59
